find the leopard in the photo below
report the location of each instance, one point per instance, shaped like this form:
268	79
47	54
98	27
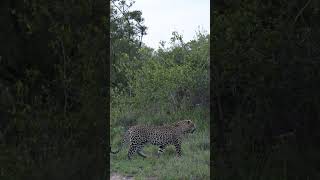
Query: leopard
162	136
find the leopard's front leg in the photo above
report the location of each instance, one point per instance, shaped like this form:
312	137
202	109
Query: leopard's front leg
178	147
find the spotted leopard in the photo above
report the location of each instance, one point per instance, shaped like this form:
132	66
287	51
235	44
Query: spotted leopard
140	135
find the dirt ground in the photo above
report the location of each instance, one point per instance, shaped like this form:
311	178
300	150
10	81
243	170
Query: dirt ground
116	176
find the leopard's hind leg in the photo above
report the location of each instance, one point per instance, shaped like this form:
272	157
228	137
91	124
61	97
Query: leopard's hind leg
136	148
160	151
140	151
133	149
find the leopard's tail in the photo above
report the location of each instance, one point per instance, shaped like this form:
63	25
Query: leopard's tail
115	152
125	140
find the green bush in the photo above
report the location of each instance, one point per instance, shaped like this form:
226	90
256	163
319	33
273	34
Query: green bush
170	85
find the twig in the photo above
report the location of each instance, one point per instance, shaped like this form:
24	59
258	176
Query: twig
301	11
64	79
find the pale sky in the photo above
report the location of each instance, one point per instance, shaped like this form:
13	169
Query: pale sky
162	17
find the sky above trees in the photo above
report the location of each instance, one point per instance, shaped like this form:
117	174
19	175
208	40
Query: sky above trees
162	17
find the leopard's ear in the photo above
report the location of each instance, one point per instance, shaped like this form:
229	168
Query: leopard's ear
188	121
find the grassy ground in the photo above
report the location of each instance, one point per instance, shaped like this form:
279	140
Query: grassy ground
194	163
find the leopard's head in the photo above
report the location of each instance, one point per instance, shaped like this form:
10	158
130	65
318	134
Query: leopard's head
186	126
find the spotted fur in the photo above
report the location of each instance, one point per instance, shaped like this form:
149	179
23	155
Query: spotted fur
140	135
